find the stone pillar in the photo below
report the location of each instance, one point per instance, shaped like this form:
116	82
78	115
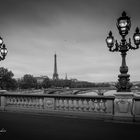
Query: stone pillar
123	106
2	100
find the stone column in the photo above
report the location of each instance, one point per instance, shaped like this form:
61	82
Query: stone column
2	100
123	106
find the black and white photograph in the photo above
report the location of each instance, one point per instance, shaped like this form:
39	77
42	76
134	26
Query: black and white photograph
69	69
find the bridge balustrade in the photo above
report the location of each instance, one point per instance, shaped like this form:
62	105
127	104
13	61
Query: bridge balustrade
93	106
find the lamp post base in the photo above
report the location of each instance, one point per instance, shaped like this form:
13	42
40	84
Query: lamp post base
123	104
123	84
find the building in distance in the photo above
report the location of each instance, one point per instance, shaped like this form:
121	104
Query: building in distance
40	79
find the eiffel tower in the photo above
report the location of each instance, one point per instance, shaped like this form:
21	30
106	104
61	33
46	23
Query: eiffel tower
55	74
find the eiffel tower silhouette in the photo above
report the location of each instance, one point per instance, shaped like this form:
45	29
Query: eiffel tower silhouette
55	74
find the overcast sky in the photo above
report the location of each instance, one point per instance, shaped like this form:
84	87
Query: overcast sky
33	30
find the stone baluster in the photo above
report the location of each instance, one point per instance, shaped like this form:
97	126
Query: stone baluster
96	105
11	101
41	103
75	105
20	103
70	104
57	104
66	104
61	104
8	100
85	104
25	100
29	103
17	102
14	101
102	106
91	105
80	105
37	103
33	102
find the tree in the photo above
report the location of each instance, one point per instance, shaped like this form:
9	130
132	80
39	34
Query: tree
46	83
7	81
28	82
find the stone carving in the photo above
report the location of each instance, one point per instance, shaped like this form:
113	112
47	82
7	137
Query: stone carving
49	103
123	105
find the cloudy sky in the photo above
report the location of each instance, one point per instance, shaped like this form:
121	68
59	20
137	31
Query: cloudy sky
33	30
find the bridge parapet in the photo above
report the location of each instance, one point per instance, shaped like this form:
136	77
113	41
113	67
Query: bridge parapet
100	106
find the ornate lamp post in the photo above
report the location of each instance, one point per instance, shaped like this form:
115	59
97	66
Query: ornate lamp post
123	25
3	50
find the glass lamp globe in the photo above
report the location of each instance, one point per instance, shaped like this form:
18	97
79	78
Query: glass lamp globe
1	41
123	24
136	37
110	40
4	50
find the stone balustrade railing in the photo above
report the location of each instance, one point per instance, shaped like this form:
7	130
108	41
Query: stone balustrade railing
57	103
113	107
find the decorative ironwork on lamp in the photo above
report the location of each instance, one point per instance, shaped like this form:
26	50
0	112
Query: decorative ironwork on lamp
123	25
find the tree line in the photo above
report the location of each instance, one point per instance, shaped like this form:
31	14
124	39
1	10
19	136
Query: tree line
28	81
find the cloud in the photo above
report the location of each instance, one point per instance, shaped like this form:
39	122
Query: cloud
76	30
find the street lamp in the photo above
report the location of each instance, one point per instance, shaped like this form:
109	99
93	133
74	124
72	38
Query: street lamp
123	25
3	50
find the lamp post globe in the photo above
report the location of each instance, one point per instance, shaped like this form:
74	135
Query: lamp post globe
124	24
3	50
110	40
1	41
136	37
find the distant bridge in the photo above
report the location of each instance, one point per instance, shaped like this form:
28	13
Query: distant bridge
74	91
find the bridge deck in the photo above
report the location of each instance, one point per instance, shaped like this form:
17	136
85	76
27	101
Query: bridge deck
34	126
